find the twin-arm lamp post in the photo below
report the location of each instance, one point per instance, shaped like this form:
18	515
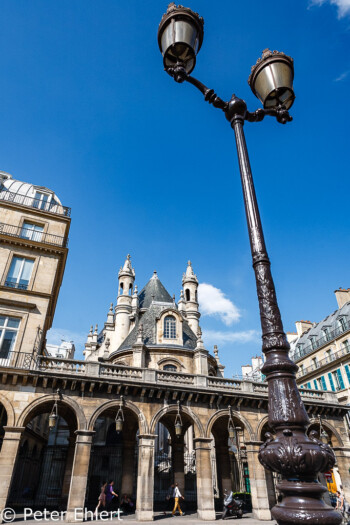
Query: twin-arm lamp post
295	456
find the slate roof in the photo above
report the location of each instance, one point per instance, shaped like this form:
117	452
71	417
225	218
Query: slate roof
317	329
153	291
155	298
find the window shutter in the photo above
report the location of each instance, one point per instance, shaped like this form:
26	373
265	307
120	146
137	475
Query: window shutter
340	379
331	382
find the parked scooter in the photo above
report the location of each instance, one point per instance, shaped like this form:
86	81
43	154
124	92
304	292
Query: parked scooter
232	506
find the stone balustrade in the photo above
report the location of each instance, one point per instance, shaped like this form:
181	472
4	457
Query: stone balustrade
91	370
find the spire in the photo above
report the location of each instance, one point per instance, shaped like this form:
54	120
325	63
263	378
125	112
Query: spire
221	368
135	301
127	269
89	337
94	337
189	275
109	324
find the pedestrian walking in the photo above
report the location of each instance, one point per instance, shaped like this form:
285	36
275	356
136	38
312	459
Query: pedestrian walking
177	497
102	497
169	498
110	496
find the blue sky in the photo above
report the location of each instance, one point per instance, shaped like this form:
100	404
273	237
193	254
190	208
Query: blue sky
149	169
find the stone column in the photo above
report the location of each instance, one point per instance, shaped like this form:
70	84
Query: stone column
343	463
205	490
76	498
145	478
260	500
69	467
128	467
178	460
223	466
8	458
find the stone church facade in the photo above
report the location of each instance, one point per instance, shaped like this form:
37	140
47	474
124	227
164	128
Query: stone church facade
148	406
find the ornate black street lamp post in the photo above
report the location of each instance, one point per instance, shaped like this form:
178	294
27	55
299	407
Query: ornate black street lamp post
291	453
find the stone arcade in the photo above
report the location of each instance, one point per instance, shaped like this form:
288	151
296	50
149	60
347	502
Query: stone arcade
149	365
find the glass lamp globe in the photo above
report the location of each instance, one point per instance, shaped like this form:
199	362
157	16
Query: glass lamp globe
178	429
52	420
271	80
119	424
180	36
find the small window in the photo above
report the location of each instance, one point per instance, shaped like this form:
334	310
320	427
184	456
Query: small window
170	368
19	273
32	232
187	293
8	332
170	327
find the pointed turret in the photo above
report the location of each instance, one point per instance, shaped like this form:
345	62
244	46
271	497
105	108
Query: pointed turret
190	287
123	310
109	324
87	350
135	302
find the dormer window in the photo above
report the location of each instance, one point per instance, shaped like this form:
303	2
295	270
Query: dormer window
169	327
41	200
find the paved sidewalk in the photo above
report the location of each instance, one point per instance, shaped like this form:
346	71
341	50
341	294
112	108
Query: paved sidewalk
168	519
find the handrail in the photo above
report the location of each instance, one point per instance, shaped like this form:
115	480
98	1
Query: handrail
31	202
32	235
298	354
344	350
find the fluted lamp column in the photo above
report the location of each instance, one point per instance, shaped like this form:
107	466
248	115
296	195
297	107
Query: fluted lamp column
290	452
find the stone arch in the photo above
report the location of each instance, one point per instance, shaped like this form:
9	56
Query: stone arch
173	408
171	361
143	426
327	426
260	427
46	401
235	414
9	410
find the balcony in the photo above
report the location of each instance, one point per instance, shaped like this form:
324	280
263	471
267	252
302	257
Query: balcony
344	350
31	202
33	236
333	334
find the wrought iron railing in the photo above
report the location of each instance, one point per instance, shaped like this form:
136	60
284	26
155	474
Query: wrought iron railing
14	284
321	341
33	236
344	350
50	206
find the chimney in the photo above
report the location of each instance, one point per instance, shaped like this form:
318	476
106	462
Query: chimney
342	296
302	327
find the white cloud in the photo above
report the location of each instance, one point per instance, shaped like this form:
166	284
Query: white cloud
213	302
343	6
219	337
55	336
341	77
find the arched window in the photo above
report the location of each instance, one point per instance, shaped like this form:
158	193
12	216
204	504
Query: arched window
130	289
121	289
170	327
187	293
170	368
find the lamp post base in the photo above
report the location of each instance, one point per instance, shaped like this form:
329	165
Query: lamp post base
303	501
